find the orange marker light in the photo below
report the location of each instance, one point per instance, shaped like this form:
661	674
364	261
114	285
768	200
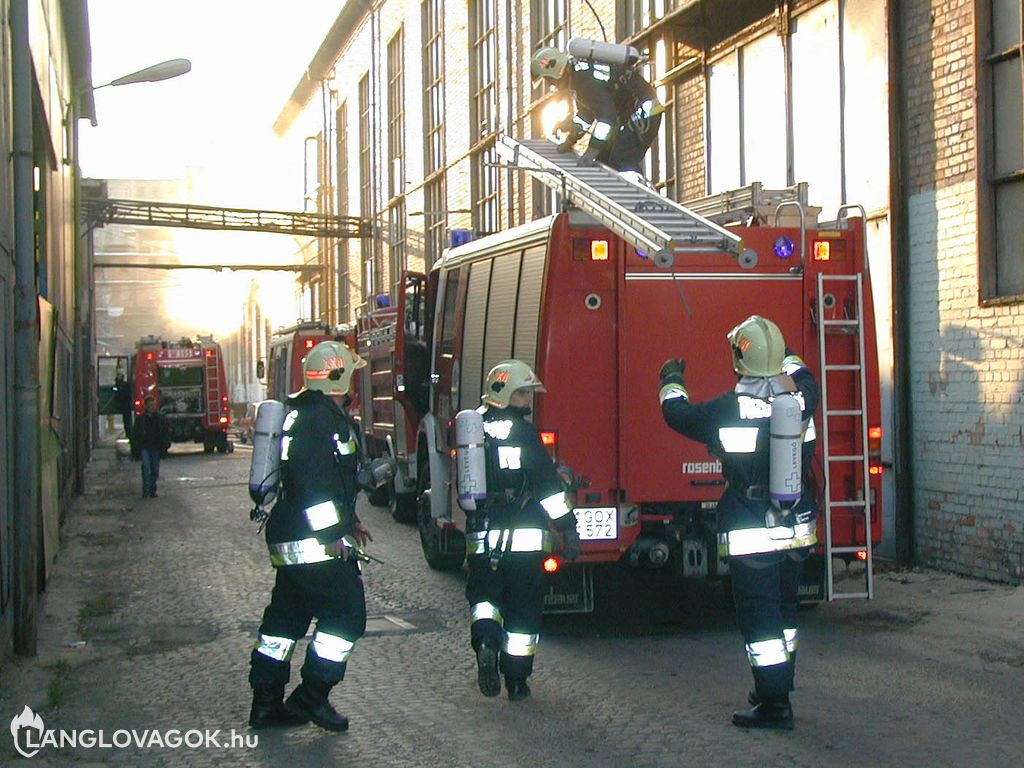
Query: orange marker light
822	250
309	343
551	565
599	250
549	438
862	554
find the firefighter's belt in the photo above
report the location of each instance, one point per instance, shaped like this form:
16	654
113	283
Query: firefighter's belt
511	539
752	541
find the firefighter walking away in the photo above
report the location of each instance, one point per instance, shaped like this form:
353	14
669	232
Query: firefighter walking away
513	495
763	433
315	542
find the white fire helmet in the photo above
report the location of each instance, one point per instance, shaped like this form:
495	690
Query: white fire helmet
329	367
549	62
758	347
507	377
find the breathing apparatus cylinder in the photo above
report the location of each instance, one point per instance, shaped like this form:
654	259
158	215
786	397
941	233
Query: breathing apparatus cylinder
603	53
470	459
784	456
264	471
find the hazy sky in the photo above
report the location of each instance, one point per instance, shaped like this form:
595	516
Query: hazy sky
247	56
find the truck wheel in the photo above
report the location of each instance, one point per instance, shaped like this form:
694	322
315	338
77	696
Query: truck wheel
403	506
378	497
431	538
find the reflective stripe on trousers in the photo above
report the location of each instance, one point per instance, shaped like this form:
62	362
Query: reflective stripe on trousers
483	611
332	647
276	648
520	643
512	540
767	653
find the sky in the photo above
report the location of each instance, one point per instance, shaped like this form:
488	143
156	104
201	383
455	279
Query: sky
213	124
247	56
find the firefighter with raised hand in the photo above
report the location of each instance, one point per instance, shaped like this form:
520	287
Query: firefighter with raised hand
508	536
613	102
763	433
315	542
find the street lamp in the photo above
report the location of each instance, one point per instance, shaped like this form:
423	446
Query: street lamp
165	70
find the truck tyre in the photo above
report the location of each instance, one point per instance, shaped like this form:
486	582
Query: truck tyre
403	505
378	497
431	535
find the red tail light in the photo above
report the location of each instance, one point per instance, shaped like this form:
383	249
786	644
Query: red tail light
309	343
862	554
223	419
551	564
550	441
875	450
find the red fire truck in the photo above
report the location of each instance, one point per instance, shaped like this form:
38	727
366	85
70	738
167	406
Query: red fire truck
187	378
596	317
288	348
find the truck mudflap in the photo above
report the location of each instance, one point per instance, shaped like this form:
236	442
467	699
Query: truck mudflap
812	582
570	589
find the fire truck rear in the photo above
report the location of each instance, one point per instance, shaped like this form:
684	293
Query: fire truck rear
595	316
188	380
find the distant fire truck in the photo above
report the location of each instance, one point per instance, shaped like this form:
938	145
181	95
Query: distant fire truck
288	348
188	380
596	317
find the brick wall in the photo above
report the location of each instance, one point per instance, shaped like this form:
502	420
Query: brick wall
966	361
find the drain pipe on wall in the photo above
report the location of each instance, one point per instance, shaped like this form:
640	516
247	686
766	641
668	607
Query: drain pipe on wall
26	346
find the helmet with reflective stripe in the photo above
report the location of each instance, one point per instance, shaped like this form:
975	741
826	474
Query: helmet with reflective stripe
329	367
758	347
507	377
549	62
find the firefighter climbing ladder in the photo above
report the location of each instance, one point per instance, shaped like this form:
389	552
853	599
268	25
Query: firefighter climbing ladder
856	410
659	227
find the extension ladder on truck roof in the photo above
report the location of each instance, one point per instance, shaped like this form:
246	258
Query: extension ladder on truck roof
659	227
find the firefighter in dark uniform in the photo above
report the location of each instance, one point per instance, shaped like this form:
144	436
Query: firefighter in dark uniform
508	538
614	103
766	545
315	542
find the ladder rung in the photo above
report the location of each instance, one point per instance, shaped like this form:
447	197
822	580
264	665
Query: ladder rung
841	322
845	367
845	458
848	550
838	277
848	595
843	413
858	503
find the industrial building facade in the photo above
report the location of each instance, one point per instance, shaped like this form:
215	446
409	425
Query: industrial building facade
910	110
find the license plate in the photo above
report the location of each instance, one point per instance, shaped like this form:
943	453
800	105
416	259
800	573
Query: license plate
597	523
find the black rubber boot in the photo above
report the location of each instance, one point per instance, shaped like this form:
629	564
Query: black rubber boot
775	713
487	668
517	688
309	700
268	710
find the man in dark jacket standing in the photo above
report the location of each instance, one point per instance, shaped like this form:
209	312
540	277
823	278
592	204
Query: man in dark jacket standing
766	540
315	540
507	539
151	437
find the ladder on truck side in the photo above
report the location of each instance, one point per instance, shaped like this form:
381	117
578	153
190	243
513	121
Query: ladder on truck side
213	393
855	409
659	227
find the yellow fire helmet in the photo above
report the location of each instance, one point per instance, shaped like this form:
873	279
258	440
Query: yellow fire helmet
549	62
758	347
507	377
329	367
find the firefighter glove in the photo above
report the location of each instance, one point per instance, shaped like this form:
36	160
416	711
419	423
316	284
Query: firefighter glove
674	366
571	548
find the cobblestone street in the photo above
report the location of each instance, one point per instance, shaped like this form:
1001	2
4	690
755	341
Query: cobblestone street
152	610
